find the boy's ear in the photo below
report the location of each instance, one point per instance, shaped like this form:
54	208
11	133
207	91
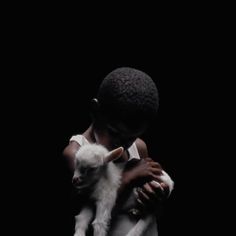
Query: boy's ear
114	154
95	106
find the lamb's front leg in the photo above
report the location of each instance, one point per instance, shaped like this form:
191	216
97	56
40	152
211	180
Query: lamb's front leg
141	226
103	216
82	221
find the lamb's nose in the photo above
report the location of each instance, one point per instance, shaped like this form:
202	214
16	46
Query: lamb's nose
76	180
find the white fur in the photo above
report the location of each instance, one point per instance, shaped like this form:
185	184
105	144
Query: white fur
105	177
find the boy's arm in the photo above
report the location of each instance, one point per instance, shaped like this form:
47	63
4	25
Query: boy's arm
69	155
152	191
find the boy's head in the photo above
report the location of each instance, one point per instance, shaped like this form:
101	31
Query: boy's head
127	96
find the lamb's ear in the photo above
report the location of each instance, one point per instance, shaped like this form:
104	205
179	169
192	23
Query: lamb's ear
114	154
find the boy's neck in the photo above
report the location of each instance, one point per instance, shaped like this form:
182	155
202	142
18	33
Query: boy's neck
89	134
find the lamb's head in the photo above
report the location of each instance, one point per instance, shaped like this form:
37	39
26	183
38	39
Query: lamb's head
90	161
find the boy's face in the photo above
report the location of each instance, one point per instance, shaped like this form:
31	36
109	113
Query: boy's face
117	134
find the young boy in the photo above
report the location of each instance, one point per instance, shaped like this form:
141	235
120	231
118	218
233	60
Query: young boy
126	104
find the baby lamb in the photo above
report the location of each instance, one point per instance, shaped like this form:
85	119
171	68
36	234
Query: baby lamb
94	168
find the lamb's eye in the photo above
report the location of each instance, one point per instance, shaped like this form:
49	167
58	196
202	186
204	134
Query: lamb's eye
83	170
91	170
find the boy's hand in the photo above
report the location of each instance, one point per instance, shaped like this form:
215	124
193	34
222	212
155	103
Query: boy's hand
139	172
145	174
151	194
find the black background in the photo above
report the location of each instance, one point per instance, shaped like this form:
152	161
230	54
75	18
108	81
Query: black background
56	65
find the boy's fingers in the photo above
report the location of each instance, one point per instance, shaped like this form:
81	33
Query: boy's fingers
156	165
161	190
143	195
147	188
156	171
156	186
166	189
156	178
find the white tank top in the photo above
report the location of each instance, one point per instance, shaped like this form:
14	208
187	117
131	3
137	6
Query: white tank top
132	150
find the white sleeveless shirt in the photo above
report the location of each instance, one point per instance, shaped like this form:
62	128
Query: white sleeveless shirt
132	150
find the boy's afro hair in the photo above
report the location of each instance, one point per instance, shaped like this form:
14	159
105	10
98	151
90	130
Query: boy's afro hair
128	93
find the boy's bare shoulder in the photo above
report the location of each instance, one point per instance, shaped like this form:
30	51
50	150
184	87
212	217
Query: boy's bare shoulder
142	147
71	149
69	155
